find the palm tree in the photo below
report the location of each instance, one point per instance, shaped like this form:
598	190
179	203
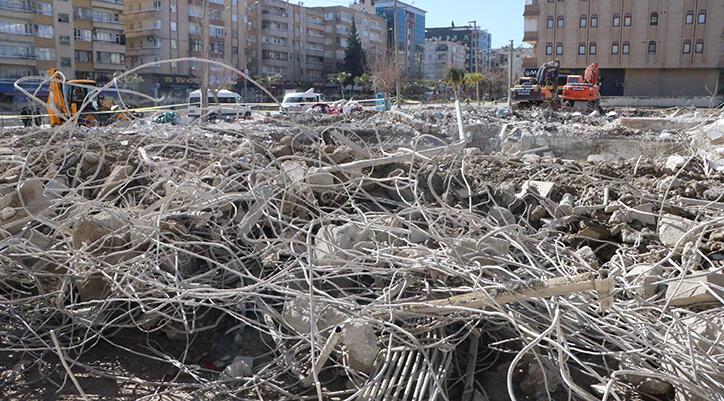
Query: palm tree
456	78
475	79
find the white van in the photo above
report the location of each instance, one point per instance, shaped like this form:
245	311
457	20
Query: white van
300	101
230	105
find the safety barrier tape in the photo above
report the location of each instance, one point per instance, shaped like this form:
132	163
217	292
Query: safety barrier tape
186	105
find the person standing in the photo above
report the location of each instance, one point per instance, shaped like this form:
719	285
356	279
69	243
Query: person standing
38	118
25	113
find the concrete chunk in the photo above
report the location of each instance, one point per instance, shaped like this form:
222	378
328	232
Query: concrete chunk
697	290
673	229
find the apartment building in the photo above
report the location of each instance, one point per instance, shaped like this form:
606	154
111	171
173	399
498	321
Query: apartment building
158	30
305	44
287	39
499	65
406	27
477	43
441	55
370	29
81	38
644	48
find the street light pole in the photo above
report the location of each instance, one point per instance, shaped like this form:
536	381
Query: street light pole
205	53
397	56
510	75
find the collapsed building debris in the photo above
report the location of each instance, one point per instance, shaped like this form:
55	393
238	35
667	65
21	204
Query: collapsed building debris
363	257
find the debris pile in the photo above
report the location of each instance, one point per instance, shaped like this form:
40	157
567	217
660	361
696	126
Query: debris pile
223	263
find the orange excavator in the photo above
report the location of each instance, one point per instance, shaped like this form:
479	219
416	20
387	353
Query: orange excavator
67	97
583	93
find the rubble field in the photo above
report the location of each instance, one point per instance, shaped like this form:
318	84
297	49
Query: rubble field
536	255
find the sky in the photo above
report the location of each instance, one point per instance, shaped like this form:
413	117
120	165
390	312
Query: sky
502	18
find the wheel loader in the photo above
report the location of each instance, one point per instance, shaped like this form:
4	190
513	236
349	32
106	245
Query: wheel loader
67	97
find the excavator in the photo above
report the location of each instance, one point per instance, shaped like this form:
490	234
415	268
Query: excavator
583	93
67	97
534	91
580	93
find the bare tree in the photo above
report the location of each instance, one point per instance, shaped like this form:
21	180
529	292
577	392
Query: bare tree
385	76
221	78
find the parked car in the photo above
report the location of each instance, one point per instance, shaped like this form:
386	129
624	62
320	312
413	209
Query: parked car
300	101
229	104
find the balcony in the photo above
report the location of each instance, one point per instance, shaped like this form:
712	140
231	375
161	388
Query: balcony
141	32
140	14
110	4
532	8
16	6
143	51
530	36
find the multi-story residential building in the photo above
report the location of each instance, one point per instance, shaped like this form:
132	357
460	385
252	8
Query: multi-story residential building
158	30
441	55
82	38
499	61
406	27
287	39
476	41
370	29
304	44
644	48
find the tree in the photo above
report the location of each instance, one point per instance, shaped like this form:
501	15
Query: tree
475	79
130	81
355	59
455	77
221	78
267	81
363	81
386	74
339	79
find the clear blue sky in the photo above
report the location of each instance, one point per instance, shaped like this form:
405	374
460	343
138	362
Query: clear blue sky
502	18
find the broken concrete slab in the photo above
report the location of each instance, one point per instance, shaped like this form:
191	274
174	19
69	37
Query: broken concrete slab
673	230
696	290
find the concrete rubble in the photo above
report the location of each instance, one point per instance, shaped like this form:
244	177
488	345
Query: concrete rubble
369	256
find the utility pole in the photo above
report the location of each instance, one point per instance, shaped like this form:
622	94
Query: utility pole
474	46
397	56
510	74
205	53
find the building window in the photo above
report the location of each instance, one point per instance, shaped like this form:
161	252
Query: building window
83	56
702	17
654	20
43	53
593	49
550	22
617	20
699	46
172	6
583	21
689	17
614	48
559	48
63	17
561	22
652	47
65	61
581	49
549	49
626	48
174	44
687	47
174	27
43	31
627	20
594	21
64	39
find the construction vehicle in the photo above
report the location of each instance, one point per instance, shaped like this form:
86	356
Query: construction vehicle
543	88
67	97
583	93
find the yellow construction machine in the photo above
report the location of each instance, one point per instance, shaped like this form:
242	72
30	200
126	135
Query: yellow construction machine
67	97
